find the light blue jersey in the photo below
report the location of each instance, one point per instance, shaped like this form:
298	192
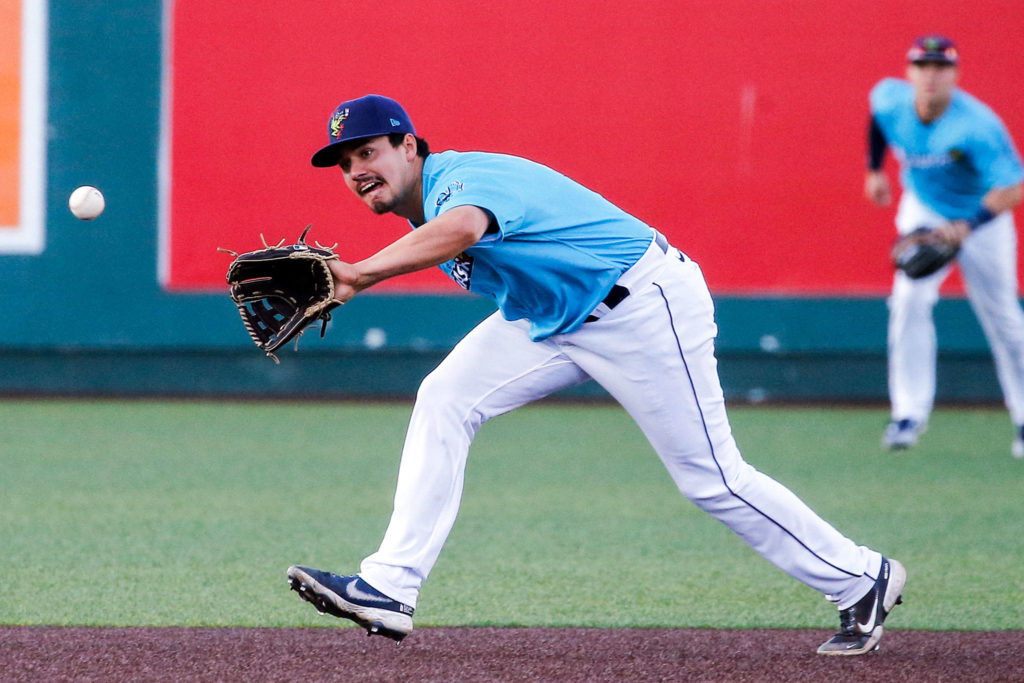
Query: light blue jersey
558	248
952	162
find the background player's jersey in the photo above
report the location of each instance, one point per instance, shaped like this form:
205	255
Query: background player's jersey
558	249
951	163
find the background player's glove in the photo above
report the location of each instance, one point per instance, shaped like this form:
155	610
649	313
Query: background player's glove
921	253
280	290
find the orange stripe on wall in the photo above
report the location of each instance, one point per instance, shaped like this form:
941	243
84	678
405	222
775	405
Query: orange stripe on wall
10	111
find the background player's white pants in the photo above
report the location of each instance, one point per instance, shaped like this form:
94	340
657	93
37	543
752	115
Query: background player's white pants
988	263
655	354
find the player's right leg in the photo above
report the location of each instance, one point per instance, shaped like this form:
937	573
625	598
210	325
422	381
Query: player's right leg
494	369
655	354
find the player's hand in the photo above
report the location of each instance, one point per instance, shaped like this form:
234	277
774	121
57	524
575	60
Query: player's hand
876	188
953	233
346	280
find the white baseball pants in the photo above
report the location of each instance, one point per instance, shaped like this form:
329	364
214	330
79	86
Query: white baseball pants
654	353
988	262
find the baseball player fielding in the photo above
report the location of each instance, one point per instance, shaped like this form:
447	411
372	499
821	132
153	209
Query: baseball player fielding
583	290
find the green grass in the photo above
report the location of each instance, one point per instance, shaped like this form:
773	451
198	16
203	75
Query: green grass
177	513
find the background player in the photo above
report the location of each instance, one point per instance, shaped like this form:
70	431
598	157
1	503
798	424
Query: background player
962	176
584	290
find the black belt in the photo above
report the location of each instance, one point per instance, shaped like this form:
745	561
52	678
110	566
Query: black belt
618	292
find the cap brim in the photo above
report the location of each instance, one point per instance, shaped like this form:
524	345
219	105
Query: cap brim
916	55
328	156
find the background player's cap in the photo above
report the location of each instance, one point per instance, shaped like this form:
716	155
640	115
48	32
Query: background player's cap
365	117
933	48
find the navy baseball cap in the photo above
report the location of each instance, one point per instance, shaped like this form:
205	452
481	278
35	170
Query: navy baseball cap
365	117
933	48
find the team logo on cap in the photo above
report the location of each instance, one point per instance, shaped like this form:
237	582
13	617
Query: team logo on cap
934	48
338	122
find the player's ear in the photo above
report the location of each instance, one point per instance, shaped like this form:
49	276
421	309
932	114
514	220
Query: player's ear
409	145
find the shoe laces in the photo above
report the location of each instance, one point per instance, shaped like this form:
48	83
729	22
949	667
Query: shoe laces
848	621
848	617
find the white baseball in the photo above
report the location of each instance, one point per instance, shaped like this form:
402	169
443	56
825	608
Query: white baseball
86	203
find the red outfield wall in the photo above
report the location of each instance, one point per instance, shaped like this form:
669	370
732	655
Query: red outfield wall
734	126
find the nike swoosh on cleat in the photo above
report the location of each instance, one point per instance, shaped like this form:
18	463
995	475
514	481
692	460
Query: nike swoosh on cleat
866	628
873	617
358	594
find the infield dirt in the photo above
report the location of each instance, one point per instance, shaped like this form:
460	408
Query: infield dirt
44	653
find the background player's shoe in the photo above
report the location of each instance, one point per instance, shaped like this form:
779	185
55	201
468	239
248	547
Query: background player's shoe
900	434
860	626
349	597
1017	447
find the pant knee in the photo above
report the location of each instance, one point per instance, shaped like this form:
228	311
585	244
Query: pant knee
442	401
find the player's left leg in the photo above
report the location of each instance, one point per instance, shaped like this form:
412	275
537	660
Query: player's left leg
988	260
655	354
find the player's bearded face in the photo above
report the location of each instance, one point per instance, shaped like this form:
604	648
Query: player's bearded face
381	175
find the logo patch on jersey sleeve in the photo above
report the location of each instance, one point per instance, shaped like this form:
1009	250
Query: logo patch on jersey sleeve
462	270
446	194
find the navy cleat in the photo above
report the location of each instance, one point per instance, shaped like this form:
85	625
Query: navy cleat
860	626
349	597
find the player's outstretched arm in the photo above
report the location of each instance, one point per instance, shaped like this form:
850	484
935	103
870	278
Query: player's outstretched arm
433	243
